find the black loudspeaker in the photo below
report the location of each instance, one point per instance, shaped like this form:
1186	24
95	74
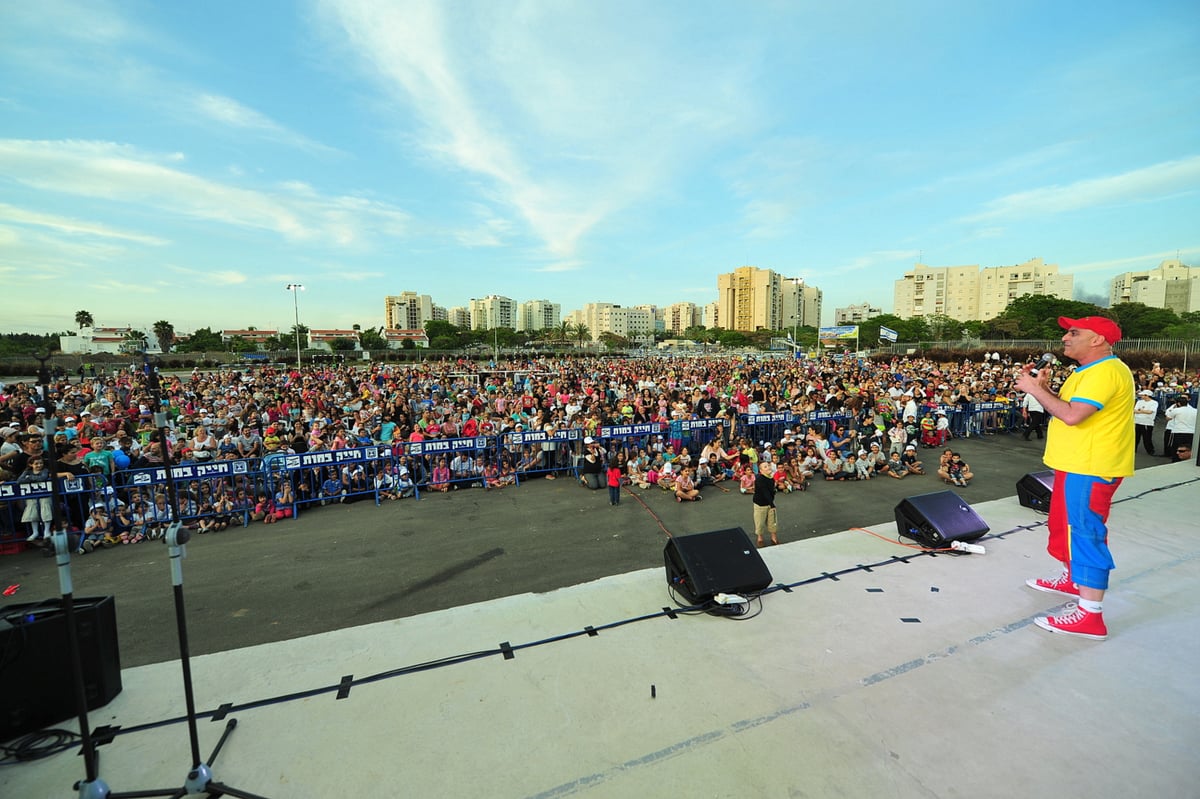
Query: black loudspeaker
935	520
35	664
1034	490
702	565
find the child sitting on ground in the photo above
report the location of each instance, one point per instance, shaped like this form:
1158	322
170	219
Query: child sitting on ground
863	466
746	479
909	458
896	467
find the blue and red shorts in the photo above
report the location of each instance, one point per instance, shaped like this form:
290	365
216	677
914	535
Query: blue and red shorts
1078	525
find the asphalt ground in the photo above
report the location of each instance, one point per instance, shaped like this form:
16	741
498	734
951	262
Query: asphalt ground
346	565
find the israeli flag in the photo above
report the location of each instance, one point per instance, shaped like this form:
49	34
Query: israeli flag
889	334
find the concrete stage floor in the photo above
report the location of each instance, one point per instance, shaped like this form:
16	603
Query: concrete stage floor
922	677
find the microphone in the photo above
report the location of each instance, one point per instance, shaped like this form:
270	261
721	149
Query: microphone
1046	359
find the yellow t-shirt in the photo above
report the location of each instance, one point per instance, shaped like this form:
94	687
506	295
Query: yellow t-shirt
1103	444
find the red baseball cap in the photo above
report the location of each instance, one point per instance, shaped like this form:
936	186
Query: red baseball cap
1097	324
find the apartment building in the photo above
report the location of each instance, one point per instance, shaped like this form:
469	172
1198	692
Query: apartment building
1171	284
407	311
679	316
749	298
855	314
538	315
801	304
493	311
967	293
605	317
1000	285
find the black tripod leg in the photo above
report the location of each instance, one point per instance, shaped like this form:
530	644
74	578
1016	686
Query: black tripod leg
229	727
221	789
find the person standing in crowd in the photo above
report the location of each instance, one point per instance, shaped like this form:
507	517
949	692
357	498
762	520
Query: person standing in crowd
1034	415
1145	411
1182	417
1090	447
765	518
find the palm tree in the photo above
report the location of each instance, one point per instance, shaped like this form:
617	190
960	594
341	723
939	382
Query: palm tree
581	332
164	331
135	341
83	319
563	331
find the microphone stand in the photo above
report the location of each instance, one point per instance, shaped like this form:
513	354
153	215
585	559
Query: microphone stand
199	779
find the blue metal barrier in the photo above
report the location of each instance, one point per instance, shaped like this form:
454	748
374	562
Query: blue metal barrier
538	452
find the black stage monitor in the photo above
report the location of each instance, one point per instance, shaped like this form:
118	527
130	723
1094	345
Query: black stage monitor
1034	490
934	520
36	668
703	565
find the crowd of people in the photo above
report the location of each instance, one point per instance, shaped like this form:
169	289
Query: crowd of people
877	417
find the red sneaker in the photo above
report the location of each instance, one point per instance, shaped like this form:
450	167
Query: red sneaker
1055	585
1075	621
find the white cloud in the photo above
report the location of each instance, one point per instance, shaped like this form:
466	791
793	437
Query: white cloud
22	216
230	113
566	116
220	277
561	266
103	170
1154	182
1134	263
899	260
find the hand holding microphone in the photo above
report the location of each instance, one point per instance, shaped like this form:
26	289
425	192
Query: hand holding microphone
1046	360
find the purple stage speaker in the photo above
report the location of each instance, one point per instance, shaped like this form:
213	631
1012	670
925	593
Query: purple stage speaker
934	520
1034	490
703	565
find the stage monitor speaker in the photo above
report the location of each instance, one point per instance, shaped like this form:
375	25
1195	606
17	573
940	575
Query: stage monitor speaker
935	520
1034	490
703	565
35	666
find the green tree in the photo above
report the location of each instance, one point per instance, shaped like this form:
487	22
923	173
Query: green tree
731	338
1142	321
868	331
202	340
581	332
84	319
441	330
563	332
943	328
342	345
164	331
135	341
1037	315
614	342
239	344
372	339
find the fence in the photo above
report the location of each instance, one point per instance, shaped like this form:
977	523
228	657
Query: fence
1182	347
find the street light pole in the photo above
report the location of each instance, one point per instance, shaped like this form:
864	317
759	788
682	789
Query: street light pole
296	288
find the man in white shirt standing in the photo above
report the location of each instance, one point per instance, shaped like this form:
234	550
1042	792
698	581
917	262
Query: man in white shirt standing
1035	417
1182	417
1145	411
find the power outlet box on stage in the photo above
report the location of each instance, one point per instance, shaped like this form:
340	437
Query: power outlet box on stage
702	565
934	520
35	662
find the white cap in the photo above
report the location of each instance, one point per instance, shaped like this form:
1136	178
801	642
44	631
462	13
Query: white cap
590	440
911	446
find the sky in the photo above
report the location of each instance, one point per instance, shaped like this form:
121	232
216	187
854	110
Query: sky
187	161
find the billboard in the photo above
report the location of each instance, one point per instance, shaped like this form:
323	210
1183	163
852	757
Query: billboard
832	336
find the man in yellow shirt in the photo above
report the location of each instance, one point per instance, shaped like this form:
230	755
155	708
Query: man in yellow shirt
1090	447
